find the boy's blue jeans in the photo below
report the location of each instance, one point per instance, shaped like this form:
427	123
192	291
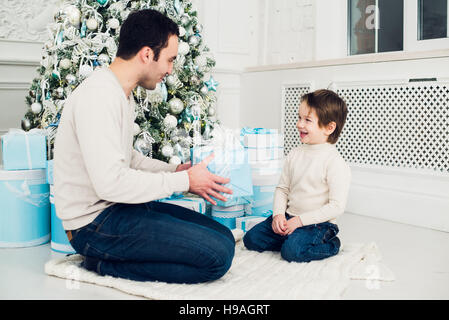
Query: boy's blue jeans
312	242
155	241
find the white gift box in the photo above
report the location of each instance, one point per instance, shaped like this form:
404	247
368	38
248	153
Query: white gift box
192	203
264	154
267	140
246	223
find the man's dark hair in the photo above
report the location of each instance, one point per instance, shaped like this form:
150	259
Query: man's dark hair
329	107
145	28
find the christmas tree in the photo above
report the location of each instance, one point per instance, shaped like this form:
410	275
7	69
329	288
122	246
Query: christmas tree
178	114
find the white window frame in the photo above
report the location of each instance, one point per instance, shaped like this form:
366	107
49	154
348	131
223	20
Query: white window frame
411	42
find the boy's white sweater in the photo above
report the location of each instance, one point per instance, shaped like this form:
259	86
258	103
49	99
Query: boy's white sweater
314	184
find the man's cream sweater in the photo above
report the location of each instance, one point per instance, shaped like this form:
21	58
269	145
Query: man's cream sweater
314	184
95	165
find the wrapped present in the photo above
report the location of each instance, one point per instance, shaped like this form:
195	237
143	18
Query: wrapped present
193	203
227	215
50	179
230	161
263	194
24	150
261	138
246	223
268	167
59	241
25	214
265	154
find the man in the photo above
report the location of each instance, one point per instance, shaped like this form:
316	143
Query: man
105	190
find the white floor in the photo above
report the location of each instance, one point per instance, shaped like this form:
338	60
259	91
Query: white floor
418	257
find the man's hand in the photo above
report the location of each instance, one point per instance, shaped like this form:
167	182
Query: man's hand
205	184
184	166
279	224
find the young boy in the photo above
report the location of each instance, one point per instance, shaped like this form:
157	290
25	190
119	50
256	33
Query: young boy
313	187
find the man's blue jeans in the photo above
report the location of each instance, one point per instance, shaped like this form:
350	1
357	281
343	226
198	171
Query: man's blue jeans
313	242
155	241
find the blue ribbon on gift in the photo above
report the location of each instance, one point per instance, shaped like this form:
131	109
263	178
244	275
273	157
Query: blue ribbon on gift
248	130
180	196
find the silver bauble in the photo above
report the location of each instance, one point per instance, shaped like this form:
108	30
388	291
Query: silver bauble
167	151
204	90
211	111
26	124
65	64
185	20
182	31
103	59
71	79
92	24
73	15
36	108
85	70
198	28
176	106
143	146
175	160
59	92
186	142
201	61
136	129
195	80
170	121
183	48
113	23
170	80
194	40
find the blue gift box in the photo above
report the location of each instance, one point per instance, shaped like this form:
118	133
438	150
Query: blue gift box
25	208
227	215
192	203
262	201
50	179
228	163
261	138
246	223
24	150
59	240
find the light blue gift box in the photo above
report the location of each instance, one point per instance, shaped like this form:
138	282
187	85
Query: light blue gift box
247	222
263	189
25	208
24	150
59	240
192	203
228	163
227	215
50	179
261	138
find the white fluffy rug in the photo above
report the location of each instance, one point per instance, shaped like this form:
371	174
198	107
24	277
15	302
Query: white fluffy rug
252	276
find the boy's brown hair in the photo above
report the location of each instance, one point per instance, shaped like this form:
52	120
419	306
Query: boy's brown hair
328	107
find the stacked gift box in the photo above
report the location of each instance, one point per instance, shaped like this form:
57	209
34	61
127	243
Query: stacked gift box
230	161
266	158
188	201
28	217
24	191
59	240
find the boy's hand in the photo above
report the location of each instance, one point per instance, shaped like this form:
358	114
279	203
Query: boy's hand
279	224
292	224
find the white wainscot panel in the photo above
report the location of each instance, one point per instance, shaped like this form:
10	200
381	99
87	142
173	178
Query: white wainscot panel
420	199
